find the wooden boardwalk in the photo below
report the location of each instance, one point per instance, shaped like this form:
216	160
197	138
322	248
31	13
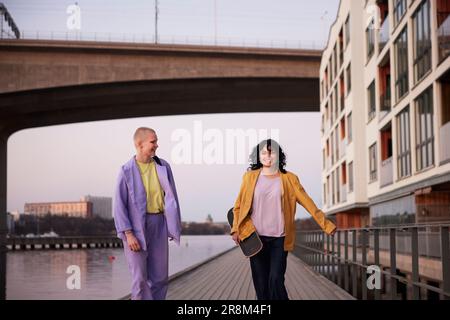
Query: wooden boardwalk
228	277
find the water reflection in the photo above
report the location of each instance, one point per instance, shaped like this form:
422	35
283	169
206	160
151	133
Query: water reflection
104	272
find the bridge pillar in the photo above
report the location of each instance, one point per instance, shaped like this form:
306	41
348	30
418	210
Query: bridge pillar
3	230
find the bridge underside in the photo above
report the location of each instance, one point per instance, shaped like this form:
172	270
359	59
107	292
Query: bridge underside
107	101
72	104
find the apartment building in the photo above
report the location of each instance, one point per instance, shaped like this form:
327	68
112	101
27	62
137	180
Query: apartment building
80	209
385	106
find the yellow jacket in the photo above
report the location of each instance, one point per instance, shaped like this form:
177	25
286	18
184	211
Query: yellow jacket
293	192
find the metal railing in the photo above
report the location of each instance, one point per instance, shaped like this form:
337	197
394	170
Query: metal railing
413	260
343	189
385	101
170	39
383	34
386	172
342	147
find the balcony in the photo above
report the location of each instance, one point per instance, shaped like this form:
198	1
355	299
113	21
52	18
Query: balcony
384	34
343	193
444	132
444	39
385	104
342	147
386	173
328	163
328	201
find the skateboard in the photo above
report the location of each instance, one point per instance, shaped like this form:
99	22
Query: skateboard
251	245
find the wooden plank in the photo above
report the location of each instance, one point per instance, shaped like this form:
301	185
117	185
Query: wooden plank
229	277
238	280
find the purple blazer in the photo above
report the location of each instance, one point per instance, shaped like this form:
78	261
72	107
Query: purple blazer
130	203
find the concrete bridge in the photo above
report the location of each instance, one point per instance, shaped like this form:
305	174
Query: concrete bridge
57	82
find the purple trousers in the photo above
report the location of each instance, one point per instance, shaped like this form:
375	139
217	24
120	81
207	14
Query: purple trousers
150	268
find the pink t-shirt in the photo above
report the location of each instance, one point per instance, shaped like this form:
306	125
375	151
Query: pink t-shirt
267	212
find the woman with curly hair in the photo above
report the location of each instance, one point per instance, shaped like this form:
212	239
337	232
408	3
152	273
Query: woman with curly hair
266	203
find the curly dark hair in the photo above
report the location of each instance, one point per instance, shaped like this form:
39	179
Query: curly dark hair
271	144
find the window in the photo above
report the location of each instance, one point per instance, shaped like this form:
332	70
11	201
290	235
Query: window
443	31
350	177
332	147
332	112
384	72
403	144
323	159
336	143
373	162
371	101
336	115
347	30
445	98
333	188
370	40
349	78
341	48
344	173
335	58
349	125
328	191
342	126
399	10
424	130
422	41
401	55
338	186
342	91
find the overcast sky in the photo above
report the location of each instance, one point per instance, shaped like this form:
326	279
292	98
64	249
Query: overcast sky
63	163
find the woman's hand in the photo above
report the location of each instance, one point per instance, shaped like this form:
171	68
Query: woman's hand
133	242
236	238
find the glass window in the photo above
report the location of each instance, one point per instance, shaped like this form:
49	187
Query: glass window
424	130
401	55
349	125
399	10
349	78
347	30
350	177
370	40
422	41
373	162
371	101
403	144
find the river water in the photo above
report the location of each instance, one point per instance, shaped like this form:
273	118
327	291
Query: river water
42	274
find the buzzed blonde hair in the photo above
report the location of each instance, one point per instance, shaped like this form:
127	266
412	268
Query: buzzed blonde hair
141	133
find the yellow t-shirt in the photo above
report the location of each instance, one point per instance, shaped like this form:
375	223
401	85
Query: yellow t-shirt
155	194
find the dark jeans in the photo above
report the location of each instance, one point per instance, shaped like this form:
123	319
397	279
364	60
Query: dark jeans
268	269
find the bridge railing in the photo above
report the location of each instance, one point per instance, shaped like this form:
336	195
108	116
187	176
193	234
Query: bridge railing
70	242
408	262
170	39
